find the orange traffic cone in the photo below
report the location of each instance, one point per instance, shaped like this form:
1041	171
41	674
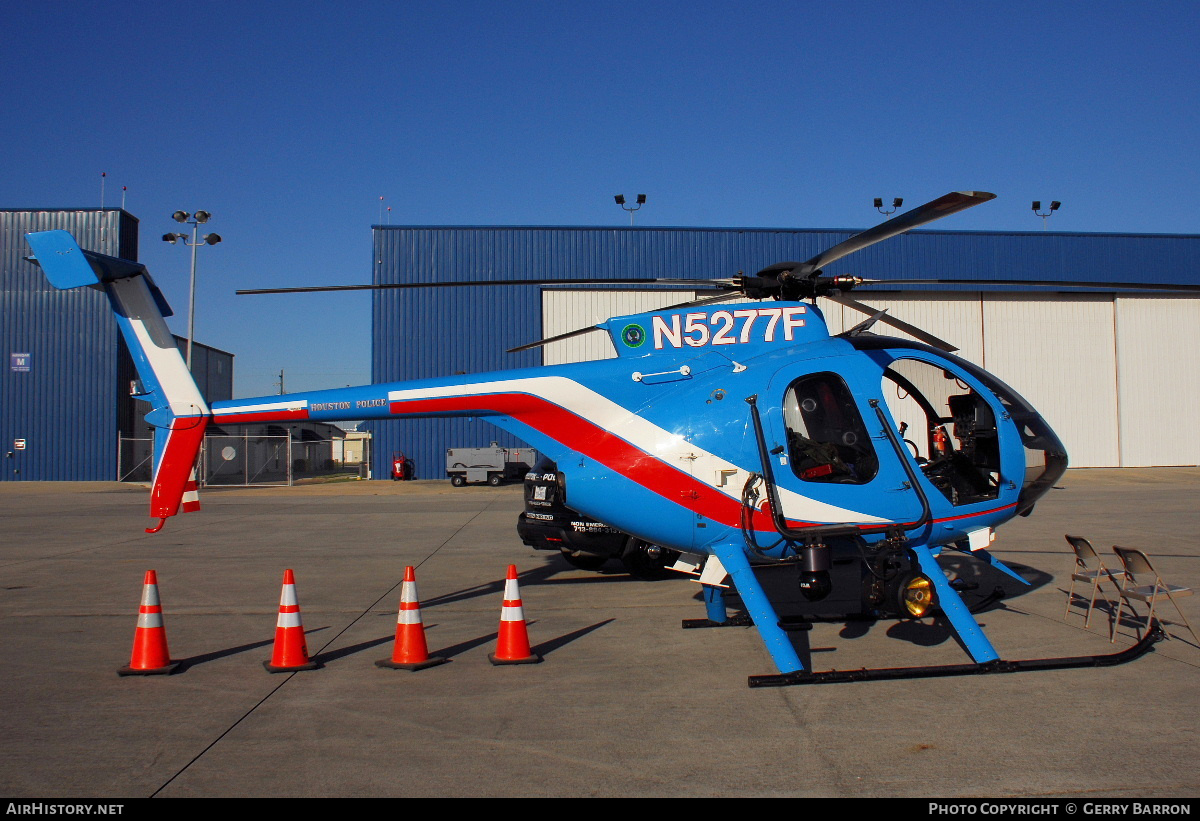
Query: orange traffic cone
291	651
512	646
410	652
150	654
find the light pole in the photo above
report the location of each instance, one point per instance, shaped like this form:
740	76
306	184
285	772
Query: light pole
194	220
896	203
1037	209
620	200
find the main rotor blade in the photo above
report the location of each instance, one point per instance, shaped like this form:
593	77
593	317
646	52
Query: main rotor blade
582	331
1037	283
718	283
549	339
924	336
951	203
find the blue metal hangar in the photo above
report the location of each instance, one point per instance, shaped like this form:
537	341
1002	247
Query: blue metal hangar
1110	370
66	410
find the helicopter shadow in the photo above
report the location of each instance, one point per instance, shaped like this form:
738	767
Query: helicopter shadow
982	587
544	576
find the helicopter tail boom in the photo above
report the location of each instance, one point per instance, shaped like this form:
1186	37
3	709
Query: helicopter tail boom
178	412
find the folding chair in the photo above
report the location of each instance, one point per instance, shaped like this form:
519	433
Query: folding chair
1138	570
1089	567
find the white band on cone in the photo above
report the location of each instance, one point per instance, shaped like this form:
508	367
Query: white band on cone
288	620
511	612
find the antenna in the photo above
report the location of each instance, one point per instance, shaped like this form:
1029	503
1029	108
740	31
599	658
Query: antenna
103	222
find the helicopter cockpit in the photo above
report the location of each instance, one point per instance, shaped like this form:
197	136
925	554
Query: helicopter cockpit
953	436
951	427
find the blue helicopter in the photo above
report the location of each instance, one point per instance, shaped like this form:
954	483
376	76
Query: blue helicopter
742	435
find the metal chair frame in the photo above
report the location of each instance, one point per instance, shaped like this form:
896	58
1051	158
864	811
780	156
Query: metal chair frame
1089	567
1137	564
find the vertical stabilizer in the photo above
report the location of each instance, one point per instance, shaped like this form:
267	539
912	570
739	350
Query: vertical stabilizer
178	412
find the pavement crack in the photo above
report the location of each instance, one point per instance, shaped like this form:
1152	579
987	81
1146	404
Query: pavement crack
390	591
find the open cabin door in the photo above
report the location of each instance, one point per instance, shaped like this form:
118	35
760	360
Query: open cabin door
833	455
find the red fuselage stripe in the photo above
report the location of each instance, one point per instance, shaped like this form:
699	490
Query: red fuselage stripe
606	448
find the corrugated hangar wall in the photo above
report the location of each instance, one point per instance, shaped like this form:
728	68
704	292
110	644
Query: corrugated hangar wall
1108	371
58	400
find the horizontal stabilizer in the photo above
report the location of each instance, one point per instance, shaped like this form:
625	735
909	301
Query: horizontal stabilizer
68	266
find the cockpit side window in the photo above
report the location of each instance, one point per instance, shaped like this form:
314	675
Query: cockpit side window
827	440
948	426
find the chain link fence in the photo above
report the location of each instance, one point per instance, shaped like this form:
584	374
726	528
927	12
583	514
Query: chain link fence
252	460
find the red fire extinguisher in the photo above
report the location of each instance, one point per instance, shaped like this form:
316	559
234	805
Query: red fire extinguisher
939	441
402	468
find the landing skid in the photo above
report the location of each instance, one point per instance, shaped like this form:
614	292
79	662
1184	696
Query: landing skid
1154	634
736	620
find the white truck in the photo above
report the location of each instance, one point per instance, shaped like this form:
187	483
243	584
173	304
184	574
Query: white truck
494	464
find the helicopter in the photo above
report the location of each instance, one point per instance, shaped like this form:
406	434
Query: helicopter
742	435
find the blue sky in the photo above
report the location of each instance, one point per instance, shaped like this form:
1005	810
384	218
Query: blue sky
289	121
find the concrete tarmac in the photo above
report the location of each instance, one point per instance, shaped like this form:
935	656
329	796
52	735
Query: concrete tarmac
625	703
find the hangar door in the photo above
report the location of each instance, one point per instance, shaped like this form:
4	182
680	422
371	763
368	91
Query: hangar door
564	311
1158	367
1116	377
1056	350
1113	375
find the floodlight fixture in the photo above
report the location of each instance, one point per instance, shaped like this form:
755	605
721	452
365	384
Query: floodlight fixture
194	220
896	203
619	199
1037	209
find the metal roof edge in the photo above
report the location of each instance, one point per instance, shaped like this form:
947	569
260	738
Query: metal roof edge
68	211
648	228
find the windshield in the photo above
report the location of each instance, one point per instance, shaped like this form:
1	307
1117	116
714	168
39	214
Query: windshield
1045	456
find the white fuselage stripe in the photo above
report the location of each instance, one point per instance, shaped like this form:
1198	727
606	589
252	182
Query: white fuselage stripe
638	431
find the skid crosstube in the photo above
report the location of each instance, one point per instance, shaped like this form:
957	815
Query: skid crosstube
1154	634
